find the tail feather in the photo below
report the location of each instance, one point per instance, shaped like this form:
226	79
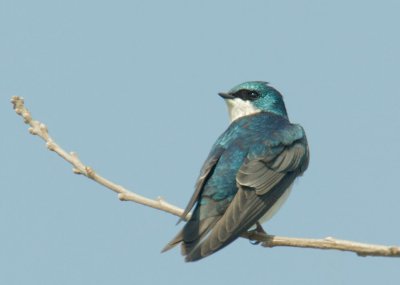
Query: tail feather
174	242
192	235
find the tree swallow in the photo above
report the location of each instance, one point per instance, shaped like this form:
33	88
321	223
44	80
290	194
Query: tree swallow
248	173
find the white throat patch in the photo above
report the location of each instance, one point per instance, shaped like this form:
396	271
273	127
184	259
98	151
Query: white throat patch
238	108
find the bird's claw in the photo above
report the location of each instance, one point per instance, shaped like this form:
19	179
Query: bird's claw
258	230
254	242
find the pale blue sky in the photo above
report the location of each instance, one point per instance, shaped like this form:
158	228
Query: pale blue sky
132	87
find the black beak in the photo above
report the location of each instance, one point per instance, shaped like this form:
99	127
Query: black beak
226	95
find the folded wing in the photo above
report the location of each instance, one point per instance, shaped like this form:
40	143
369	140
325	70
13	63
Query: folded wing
261	181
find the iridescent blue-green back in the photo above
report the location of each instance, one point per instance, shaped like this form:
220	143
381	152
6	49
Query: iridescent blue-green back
259	135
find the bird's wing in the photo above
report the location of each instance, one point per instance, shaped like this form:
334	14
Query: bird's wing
205	172
261	182
199	227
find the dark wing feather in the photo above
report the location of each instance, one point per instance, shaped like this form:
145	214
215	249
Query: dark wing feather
263	174
193	231
204	174
195	226
261	183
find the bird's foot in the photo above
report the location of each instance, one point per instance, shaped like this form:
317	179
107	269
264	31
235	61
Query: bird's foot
258	230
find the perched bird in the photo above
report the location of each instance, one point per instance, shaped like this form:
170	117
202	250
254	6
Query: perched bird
248	173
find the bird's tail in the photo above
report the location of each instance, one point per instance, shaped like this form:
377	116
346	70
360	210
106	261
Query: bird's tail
174	242
191	235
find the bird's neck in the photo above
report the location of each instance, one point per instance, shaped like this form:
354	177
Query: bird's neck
238	108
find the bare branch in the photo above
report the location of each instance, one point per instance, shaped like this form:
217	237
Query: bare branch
361	249
40	129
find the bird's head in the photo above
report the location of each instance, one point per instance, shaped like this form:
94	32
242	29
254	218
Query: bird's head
253	97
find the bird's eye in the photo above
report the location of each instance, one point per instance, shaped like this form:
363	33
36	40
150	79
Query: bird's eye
253	95
245	94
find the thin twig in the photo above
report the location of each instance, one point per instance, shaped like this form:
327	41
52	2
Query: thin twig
361	249
40	129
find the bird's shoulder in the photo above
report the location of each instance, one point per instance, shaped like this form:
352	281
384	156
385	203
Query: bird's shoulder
261	129
277	142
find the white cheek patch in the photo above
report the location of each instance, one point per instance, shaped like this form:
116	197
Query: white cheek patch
238	108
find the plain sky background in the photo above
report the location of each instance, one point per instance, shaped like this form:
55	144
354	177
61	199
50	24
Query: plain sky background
132	87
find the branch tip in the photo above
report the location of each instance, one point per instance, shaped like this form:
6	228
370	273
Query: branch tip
18	104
